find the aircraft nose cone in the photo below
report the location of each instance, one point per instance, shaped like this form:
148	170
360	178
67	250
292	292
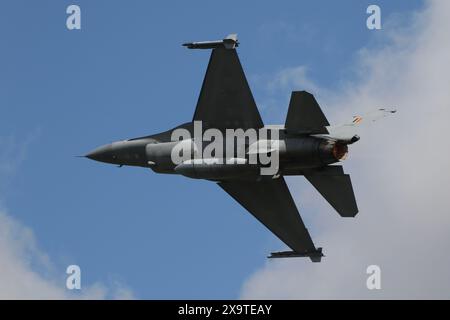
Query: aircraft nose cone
103	154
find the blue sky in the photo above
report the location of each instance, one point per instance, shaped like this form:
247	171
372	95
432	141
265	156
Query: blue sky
124	75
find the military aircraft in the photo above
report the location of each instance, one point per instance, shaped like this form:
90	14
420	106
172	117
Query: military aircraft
305	145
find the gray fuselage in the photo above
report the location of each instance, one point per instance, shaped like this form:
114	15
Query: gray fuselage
296	155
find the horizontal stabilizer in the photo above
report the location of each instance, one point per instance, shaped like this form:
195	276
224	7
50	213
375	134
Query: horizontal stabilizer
315	256
336	189
304	115
327	170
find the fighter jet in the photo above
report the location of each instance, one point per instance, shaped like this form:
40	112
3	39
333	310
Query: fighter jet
305	145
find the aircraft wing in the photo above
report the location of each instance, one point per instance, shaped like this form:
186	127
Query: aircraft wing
271	203
225	99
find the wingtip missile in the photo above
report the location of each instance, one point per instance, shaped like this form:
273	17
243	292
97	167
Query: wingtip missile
315	255
229	42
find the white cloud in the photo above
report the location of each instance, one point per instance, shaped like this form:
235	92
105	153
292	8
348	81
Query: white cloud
292	78
25	271
400	171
